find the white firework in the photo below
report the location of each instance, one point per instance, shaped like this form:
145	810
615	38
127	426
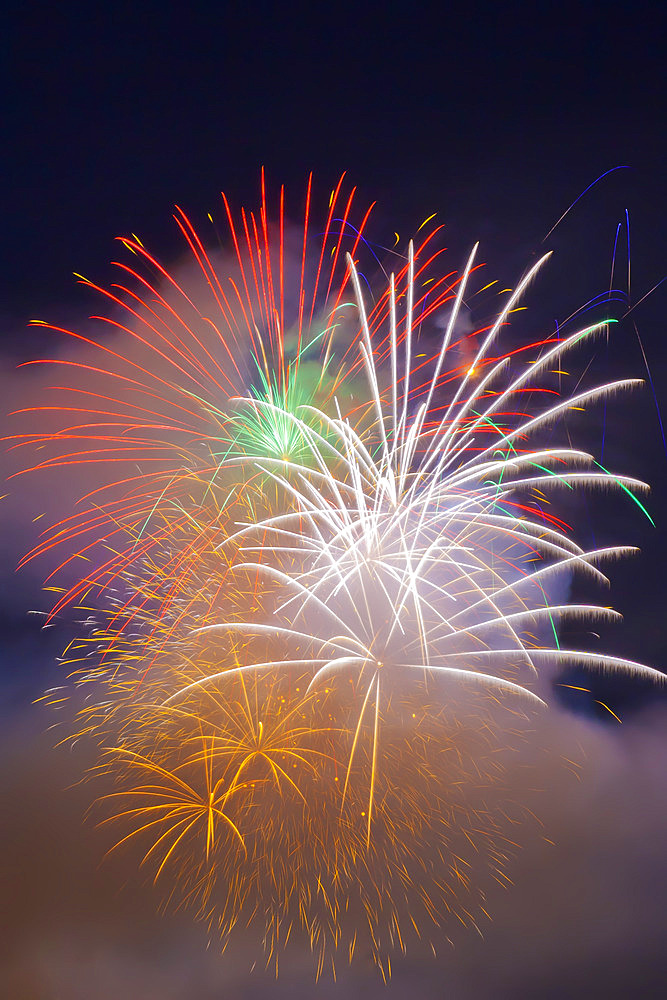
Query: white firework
402	546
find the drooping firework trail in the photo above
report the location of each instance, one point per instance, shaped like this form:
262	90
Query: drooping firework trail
318	555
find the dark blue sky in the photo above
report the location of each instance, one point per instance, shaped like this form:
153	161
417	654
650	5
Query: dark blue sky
495	115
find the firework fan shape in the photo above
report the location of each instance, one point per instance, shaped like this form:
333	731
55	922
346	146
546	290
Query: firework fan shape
320	590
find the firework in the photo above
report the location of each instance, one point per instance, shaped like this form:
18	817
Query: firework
416	555
324	620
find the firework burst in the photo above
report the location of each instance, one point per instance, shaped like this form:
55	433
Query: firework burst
321	588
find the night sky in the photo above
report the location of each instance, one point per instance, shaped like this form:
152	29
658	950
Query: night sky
495	116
